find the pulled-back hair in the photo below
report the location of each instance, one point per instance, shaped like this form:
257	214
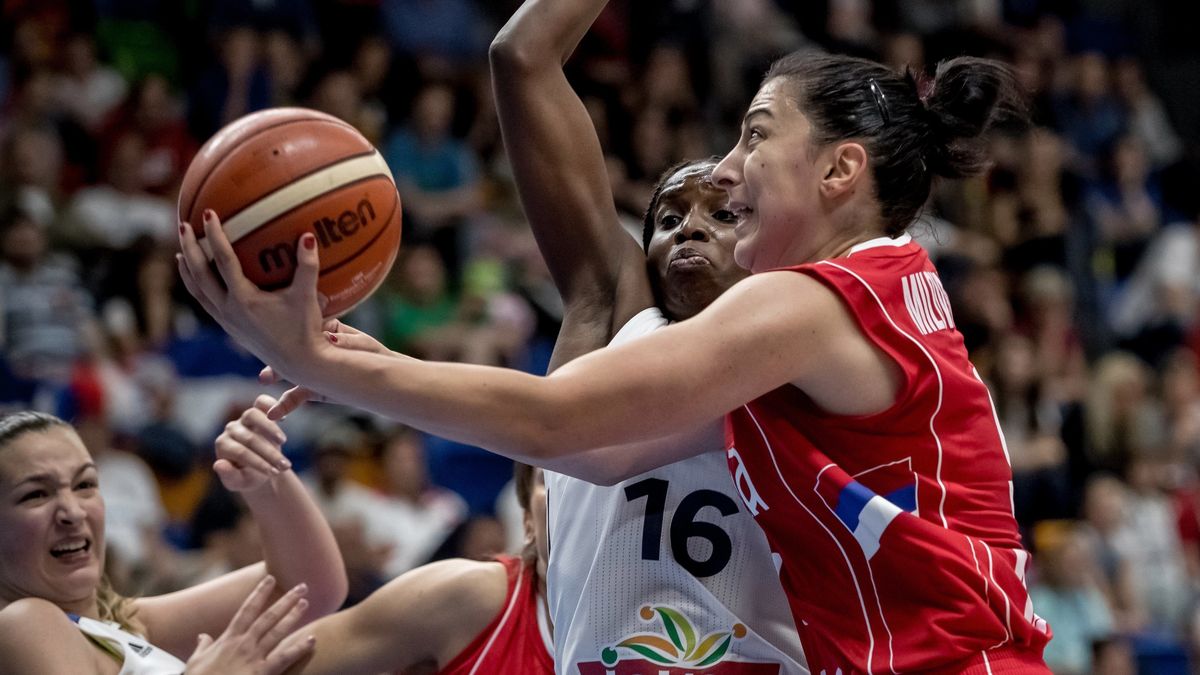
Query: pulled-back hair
15	425
912	129
648	216
523	482
111	605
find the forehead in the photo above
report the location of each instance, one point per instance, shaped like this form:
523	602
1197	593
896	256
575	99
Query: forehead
777	100
55	451
690	179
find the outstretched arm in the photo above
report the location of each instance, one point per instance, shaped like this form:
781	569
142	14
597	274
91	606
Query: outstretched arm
767	331
561	175
424	617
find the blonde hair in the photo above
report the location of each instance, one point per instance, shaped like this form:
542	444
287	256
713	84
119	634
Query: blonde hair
117	608
112	606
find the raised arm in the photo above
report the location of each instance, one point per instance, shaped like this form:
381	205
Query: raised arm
561	175
298	545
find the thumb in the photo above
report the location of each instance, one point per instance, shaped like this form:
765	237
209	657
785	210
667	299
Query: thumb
308	267
355	341
203	641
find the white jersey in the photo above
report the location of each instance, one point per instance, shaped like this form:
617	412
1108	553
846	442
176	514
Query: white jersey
664	572
138	657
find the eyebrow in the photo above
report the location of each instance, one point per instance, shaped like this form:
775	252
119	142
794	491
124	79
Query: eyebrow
755	112
49	478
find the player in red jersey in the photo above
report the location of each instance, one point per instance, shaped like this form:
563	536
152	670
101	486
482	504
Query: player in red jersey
884	478
453	617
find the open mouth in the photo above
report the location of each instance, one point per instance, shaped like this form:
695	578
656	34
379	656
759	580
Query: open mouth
71	549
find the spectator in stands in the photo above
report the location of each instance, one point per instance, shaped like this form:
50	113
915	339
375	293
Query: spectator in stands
48	321
1069	594
419	514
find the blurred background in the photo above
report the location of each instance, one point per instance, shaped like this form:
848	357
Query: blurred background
1073	265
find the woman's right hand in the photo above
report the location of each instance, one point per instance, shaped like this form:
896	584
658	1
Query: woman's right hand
338	333
252	642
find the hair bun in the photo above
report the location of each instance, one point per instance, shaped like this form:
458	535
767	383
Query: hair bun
967	97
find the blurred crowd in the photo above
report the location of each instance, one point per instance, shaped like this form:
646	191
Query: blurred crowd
1073	265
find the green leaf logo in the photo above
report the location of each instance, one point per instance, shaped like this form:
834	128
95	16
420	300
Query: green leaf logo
680	647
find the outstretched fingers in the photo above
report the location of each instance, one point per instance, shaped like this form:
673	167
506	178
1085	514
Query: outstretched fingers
252	607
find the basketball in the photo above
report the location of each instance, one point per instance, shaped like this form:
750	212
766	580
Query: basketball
273	175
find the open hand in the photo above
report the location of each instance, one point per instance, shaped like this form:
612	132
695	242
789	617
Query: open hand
283	327
250	449
252	642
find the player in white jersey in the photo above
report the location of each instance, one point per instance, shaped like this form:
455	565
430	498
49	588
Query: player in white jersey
663	571
57	612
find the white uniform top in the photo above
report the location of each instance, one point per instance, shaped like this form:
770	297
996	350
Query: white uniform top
138	657
666	570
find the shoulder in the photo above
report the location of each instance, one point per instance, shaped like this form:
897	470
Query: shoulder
37	636
28	614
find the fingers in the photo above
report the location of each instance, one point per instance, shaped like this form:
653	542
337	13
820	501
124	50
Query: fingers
264	403
222	251
336	326
252	607
280	619
357	341
193	285
254	440
268	376
203	641
308	268
247	451
199	280
281	659
291	400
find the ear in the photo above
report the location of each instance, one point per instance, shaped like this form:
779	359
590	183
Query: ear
845	170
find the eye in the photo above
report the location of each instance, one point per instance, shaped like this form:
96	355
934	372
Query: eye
32	495
87	484
669	221
754	134
725	216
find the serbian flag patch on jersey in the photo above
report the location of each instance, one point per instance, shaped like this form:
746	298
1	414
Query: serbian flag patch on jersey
865	512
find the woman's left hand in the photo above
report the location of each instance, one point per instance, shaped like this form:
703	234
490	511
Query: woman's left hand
282	328
250	449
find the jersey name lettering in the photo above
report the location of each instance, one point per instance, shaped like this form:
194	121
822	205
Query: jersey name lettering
745	487
927	302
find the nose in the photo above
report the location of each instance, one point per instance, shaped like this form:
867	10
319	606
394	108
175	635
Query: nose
70	510
727	174
692	229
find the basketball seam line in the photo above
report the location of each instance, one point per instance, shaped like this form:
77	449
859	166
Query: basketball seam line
350	258
282	123
235	237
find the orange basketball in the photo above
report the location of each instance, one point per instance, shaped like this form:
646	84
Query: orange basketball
274	175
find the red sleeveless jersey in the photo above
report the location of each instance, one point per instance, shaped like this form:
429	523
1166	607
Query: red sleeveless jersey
896	532
513	642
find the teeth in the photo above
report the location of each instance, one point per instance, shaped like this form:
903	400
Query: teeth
69	547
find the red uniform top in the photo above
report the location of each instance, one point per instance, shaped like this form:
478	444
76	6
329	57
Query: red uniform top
513	642
896	531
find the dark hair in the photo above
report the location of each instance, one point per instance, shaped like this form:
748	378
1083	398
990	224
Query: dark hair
523	482
648	216
15	425
911	128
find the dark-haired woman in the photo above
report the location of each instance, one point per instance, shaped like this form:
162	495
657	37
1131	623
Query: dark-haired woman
858	432
57	612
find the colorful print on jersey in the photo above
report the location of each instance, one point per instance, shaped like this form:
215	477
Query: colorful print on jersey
864	511
681	651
